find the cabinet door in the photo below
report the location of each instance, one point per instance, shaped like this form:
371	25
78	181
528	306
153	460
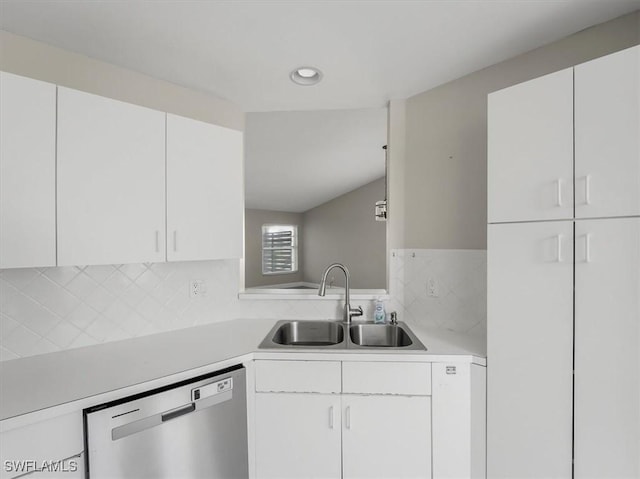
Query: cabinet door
530	150
27	172
111	181
607	350
529	350
297	435
47	441
205	195
607	129
386	437
459	421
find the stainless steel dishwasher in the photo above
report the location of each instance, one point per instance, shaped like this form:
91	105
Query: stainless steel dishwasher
192	429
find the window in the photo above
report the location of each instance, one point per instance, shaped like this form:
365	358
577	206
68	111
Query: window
279	249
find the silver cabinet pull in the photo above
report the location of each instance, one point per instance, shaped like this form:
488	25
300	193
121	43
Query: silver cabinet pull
559	248
559	192
331	417
347	419
587	190
175	240
157	241
587	248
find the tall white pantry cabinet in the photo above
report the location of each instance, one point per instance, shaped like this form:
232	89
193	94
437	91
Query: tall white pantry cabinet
563	390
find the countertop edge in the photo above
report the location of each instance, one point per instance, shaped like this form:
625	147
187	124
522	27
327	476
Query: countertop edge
242	355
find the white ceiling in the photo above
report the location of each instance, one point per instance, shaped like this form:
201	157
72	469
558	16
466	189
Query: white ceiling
369	50
297	160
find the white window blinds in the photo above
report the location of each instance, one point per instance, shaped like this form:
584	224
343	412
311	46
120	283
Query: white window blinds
279	249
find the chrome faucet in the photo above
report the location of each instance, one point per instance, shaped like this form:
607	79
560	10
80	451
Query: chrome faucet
349	312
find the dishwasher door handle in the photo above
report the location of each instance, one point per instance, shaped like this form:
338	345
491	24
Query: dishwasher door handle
181	411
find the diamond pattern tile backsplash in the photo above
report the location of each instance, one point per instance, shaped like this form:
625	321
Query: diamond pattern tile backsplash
459	282
51	309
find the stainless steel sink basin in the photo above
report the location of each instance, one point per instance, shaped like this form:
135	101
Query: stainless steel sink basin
379	335
339	335
309	333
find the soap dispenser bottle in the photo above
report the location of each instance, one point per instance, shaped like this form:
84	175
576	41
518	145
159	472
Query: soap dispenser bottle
379	314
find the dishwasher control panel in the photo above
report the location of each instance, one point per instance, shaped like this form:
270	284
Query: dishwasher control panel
212	389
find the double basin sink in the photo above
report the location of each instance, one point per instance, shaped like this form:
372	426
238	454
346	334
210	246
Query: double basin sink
340	335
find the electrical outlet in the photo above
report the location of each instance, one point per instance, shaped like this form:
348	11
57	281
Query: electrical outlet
197	288
433	288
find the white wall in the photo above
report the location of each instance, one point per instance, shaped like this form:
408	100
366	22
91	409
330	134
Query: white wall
297	160
344	230
23	56
444	172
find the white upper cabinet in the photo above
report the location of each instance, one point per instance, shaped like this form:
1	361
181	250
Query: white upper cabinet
27	172
111	181
205	198
607	353
607	135
530	150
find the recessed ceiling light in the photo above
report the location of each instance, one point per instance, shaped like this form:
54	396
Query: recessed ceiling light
306	76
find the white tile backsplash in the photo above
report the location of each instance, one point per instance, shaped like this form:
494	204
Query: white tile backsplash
51	309
461	278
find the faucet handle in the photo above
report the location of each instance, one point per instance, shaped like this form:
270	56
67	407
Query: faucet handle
394	318
356	311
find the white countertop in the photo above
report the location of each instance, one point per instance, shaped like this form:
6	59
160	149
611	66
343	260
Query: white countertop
51	380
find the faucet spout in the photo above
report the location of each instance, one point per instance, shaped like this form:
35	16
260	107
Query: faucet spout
349	312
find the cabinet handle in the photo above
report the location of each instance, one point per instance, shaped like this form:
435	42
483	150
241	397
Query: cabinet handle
559	191
587	190
157	241
559	248
347	419
587	248
175	240
331	417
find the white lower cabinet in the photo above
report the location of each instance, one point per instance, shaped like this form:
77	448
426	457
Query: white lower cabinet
529	350
563	350
45	449
298	436
325	436
607	349
347	431
386	437
459	420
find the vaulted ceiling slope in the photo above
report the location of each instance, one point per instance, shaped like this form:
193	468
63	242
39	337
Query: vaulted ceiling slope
297	160
369	50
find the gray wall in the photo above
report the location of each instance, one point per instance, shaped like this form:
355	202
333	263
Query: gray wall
33	59
444	166
344	230
253	221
